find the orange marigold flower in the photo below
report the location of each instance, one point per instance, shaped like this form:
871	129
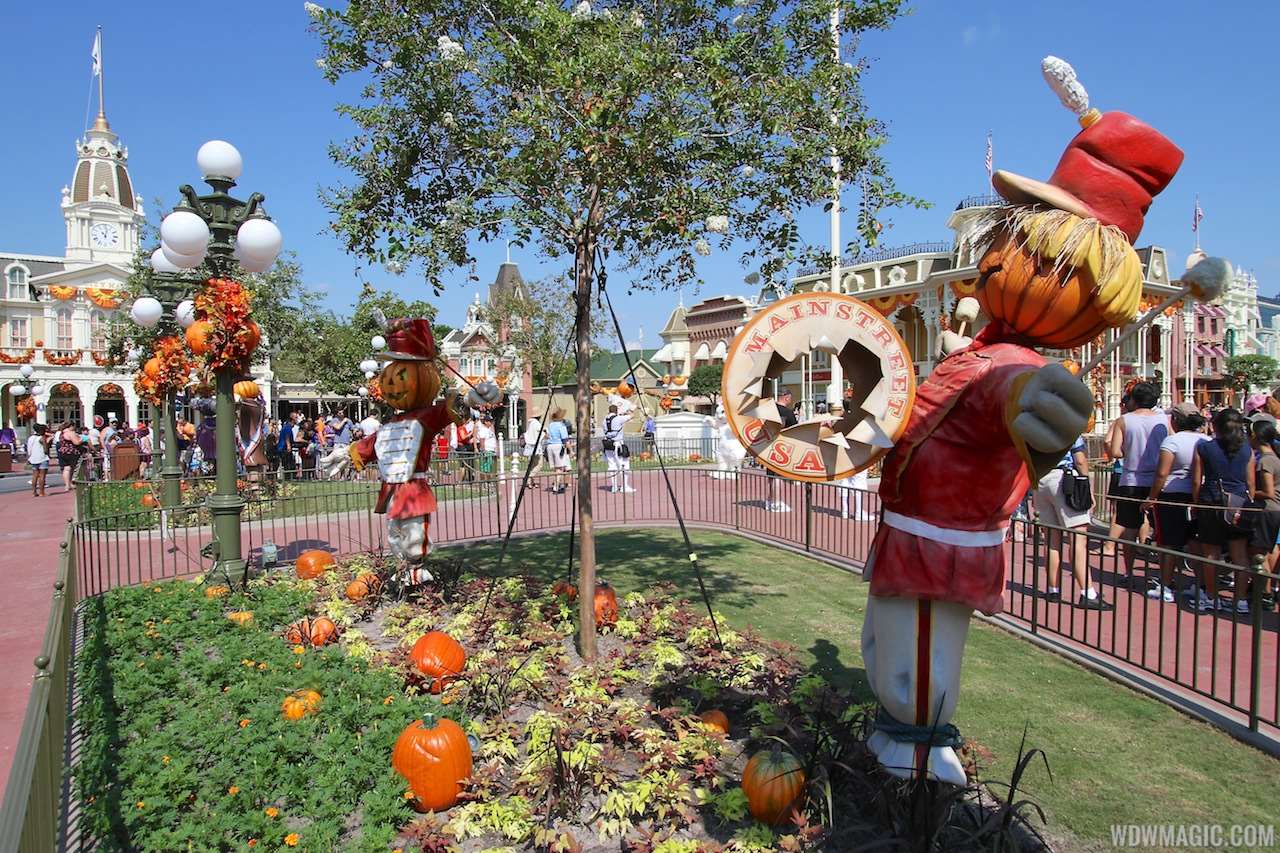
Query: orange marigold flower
142	804
262	665
253	842
271	811
408	795
297	664
297	650
292	839
164	759
233	790
244	722
388	700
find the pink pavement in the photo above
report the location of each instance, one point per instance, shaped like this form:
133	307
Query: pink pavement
30	530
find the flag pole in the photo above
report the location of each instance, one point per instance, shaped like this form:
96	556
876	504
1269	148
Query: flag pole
835	385
102	107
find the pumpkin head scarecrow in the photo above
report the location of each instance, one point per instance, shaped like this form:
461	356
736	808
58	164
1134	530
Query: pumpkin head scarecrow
402	446
993	417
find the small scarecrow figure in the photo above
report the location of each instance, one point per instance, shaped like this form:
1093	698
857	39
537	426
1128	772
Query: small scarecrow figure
994	417
402	446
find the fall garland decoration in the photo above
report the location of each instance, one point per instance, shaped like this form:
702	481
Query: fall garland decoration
62	292
26	408
64	360
102	297
166	373
22	358
102	359
232	337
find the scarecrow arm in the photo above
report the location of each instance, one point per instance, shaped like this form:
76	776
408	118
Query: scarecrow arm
1046	412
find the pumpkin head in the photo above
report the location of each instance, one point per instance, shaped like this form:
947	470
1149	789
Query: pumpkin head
364	586
407	385
773	780
435	757
216	591
439	656
152	367
241	617
313	564
197	336
299	704
1057	279
246	390
606	605
311	632
716	719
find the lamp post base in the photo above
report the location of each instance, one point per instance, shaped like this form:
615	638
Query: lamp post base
225	512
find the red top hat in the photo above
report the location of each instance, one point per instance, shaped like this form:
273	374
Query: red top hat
1109	172
409	340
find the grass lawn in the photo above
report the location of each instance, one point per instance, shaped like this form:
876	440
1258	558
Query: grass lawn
1116	756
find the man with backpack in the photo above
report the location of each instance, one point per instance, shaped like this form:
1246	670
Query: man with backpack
617	455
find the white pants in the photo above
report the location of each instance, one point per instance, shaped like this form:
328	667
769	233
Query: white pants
408	538
853	487
619	469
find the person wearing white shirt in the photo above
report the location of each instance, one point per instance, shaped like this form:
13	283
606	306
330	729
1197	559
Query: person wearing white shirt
617	455
38	459
532	446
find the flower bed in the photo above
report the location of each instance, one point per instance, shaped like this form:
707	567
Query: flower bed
186	745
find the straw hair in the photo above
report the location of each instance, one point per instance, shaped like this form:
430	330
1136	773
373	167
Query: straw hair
1075	244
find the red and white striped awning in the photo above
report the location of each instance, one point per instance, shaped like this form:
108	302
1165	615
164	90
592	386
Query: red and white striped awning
1203	310
1210	351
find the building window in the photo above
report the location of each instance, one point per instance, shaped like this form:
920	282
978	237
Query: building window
1200	325
18	336
97	332
493	368
63	339
17	278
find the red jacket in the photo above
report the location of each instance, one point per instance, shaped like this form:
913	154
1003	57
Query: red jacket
413	498
954	476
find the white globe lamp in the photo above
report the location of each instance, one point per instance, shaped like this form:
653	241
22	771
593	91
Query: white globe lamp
26	370
146	311
179	260
378	342
185	233
362	391
160	263
185	313
259	238
368	365
17	390
218	159
37	390
251	263
368	374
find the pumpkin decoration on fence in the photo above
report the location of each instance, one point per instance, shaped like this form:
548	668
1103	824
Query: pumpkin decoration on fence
314	563
568	590
217	591
149	501
716	719
606	605
243	618
246	389
299	704
435	757
311	632
439	656
773	780
364	586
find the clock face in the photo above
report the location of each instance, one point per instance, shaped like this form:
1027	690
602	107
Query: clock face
104	236
1157	268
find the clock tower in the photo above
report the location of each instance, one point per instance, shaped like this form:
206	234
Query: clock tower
101	209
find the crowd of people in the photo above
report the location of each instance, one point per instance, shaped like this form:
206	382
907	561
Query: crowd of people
1196	483
69	444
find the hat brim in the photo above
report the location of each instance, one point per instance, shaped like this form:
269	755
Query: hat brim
1022	190
400	356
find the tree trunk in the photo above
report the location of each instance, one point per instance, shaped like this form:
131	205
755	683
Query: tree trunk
582	398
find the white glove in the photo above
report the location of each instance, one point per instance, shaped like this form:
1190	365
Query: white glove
334	463
483	394
1054	409
949	342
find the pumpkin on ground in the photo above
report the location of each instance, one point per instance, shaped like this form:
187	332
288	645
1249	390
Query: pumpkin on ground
773	780
140	484
216	591
299	704
311	632
364	586
435	757
606	605
439	656
149	501
716	719
313	564
241	617
645	456
695	457
564	588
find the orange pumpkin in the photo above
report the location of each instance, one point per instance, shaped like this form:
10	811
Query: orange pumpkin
439	656
152	367
364	586
773	780
216	591
38	343
149	501
299	704
645	456
566	589
311	632
253	336
246	390
139	485
241	617
716	719
606	605
407	385
695	457
625	390
197	336
435	757
313	564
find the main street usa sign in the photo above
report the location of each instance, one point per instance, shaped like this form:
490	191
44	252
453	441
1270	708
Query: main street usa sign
877	369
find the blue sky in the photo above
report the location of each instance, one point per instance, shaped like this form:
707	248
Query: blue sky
946	74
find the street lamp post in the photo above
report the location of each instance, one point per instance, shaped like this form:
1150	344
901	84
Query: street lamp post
225	232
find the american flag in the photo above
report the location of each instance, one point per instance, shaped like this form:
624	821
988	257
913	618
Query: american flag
991	160
1197	216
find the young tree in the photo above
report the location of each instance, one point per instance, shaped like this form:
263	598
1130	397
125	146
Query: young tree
705	381
642	131
1252	371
